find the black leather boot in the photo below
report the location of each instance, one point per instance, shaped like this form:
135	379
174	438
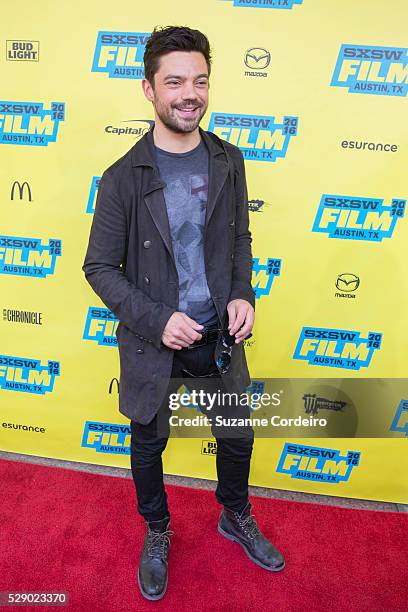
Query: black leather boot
242	528
153	566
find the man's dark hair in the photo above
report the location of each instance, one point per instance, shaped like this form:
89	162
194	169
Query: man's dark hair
173	38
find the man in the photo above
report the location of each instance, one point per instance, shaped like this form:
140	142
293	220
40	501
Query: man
170	255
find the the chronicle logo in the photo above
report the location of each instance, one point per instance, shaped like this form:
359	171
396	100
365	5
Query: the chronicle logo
21	189
400	420
313	404
357	218
90	207
29	123
317	463
271	4
100	326
24	256
265	275
139	128
22	50
347	283
112	438
120	54
336	348
372	70
27	375
257	59
262	138
12	315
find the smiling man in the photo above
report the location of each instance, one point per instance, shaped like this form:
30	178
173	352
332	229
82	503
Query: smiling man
170	255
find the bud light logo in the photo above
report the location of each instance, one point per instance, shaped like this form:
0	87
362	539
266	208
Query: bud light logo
27	375
400	420
107	438
357	218
28	256
272	4
336	348
120	54
366	69
100	326
29	123
265	275
259	137
317	463
90	207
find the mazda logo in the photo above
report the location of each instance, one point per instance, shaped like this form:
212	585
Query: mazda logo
347	282
257	58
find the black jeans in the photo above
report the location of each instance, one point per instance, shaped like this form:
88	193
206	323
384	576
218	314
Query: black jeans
233	454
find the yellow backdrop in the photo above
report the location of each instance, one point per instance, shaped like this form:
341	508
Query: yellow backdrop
315	95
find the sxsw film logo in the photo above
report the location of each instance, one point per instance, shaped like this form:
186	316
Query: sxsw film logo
265	275
27	375
100	326
272	4
336	348
357	218
317	463
259	137
107	437
400	420
347	283
24	256
22	50
120	54
90	207
257	59
372	70
29	123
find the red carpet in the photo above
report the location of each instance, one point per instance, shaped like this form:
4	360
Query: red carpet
64	530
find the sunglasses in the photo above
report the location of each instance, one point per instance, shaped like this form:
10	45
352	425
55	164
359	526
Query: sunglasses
224	357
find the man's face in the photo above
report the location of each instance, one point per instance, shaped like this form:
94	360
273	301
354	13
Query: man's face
180	93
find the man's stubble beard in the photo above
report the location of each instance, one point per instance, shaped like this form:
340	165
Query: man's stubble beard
176	125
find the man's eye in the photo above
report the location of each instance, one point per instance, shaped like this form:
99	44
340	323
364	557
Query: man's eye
172	82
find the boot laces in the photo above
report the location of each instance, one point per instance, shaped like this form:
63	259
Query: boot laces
158	541
249	526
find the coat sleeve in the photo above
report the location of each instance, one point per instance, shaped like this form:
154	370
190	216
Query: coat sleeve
105	255
241	287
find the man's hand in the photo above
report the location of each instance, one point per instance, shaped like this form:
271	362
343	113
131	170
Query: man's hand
181	331
241	317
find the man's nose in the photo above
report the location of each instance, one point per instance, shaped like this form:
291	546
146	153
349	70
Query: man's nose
188	91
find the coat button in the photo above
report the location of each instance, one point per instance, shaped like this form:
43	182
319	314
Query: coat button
232	255
146	244
146	280
139	351
232	223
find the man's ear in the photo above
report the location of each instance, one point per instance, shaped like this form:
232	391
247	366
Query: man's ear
148	90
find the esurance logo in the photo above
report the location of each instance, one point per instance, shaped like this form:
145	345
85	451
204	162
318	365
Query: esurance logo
265	275
100	326
372	70
90	207
317	463
273	4
357	218
259	137
29	123
107	437
400	420
120	54
28	256
336	348
27	375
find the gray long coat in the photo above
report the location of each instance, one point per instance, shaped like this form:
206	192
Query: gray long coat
130	265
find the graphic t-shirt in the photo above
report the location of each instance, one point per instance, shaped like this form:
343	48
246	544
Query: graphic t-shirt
186	193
